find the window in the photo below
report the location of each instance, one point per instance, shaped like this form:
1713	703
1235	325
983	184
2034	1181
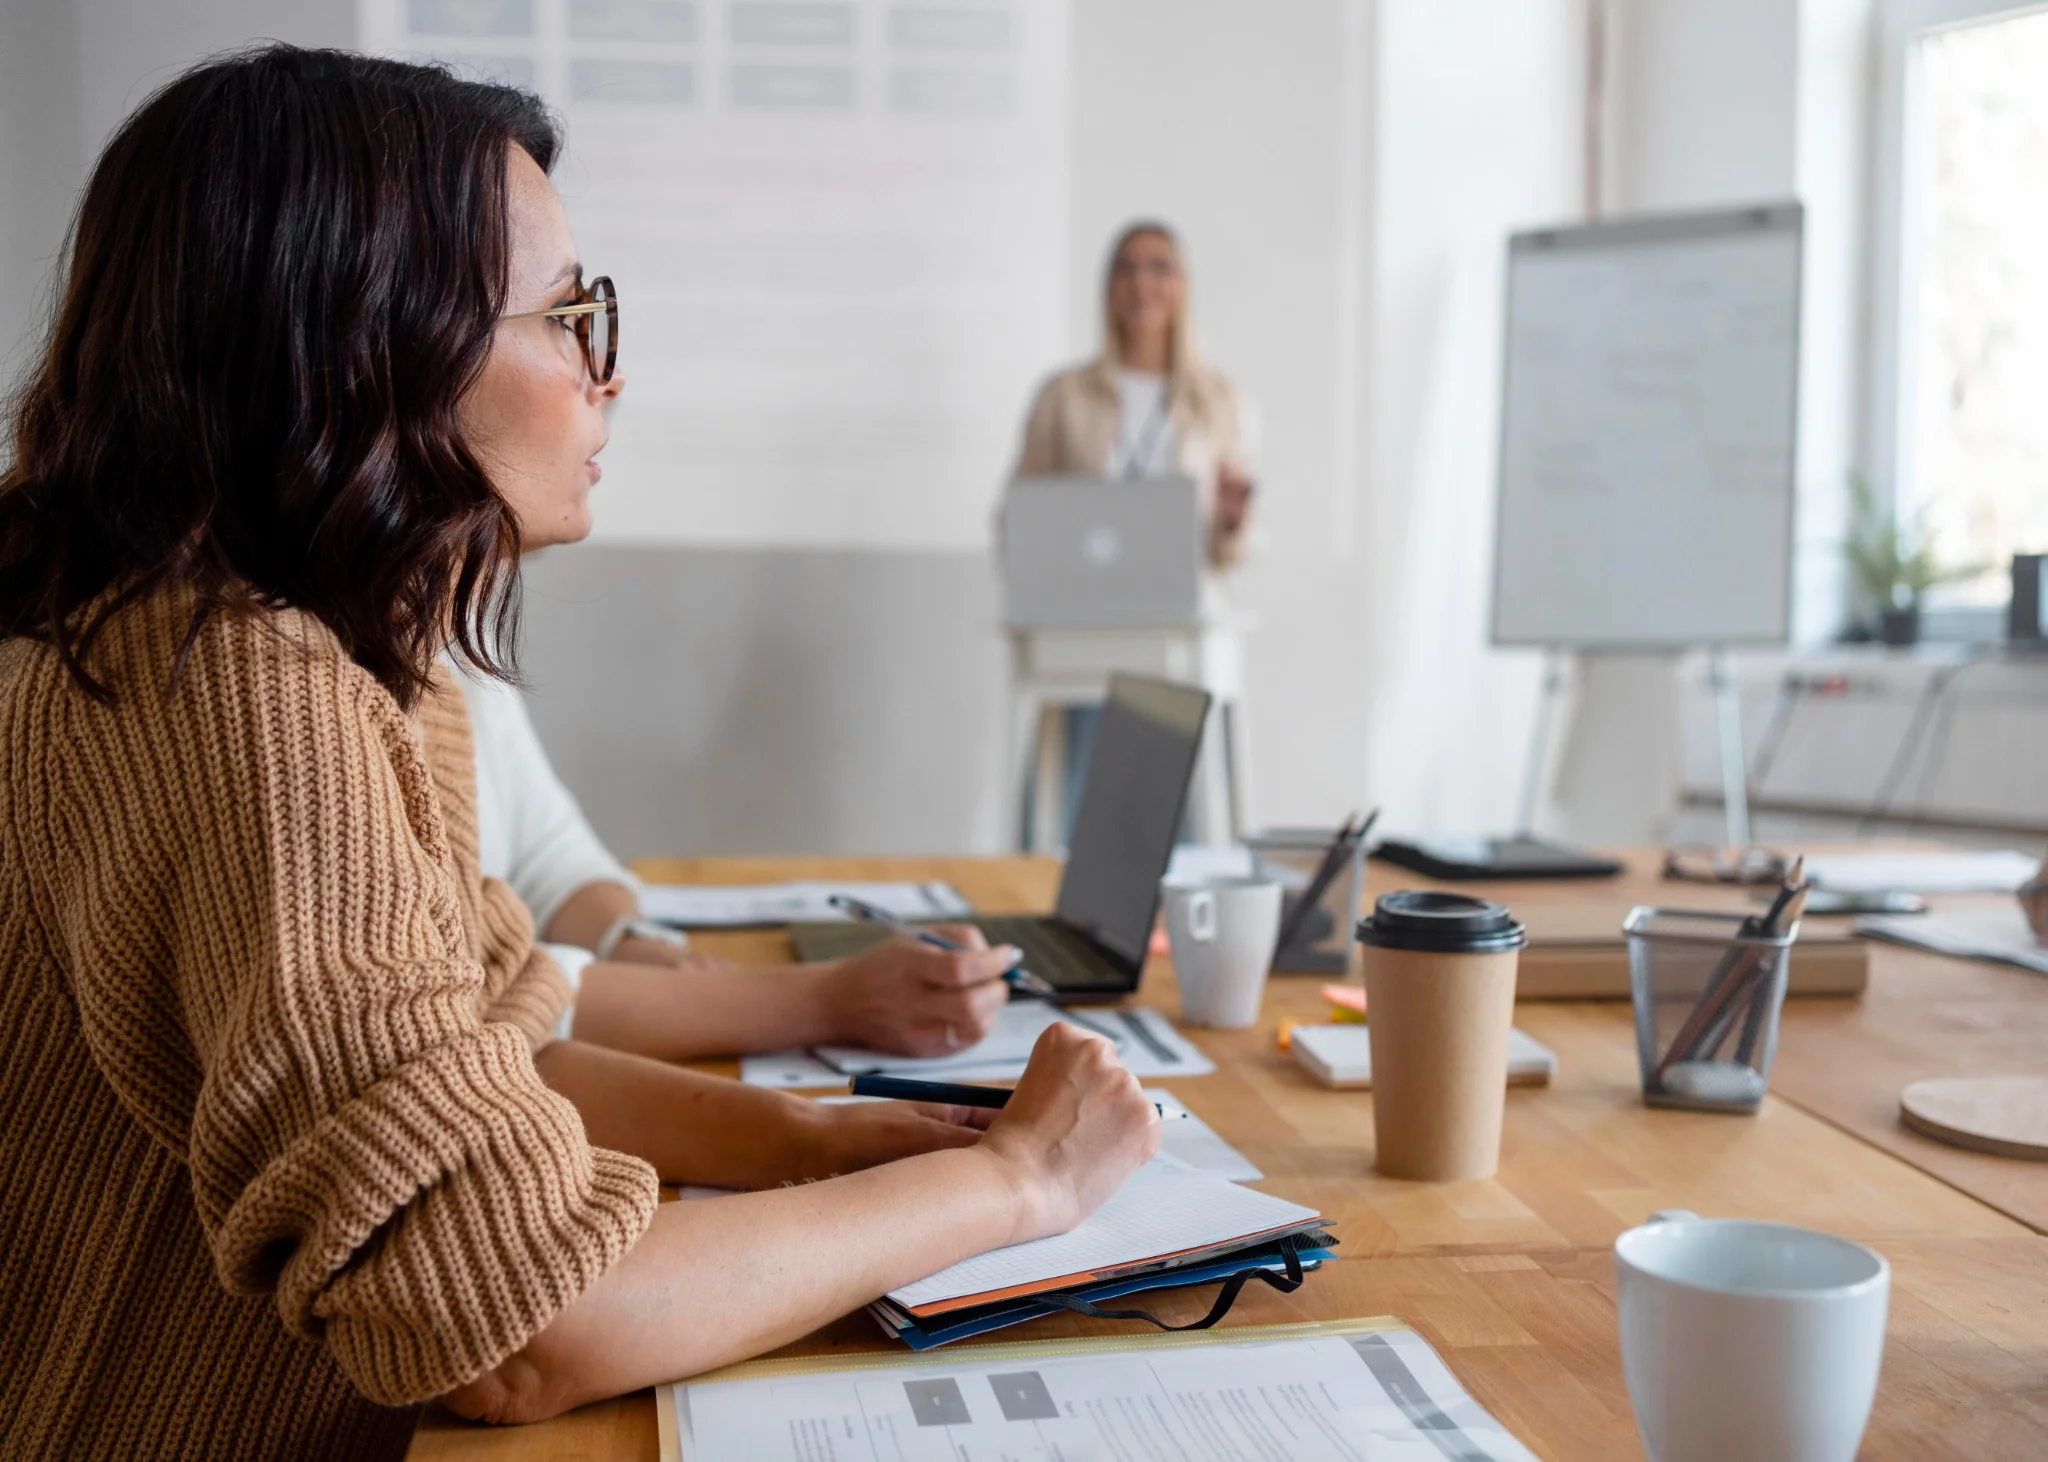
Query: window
1961	419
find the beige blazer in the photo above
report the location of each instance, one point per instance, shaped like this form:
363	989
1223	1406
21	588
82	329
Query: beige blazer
1074	420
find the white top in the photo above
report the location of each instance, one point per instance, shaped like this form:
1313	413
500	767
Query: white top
529	830
1144	444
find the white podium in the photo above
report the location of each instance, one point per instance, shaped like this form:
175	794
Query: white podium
1052	669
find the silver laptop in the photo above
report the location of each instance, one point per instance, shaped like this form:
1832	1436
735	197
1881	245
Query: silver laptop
1101	553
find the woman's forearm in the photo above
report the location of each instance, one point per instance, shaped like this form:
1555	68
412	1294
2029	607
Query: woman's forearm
693	1128
716	1281
588	913
681	1014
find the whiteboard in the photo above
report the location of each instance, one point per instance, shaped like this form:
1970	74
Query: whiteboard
838	230
1649	421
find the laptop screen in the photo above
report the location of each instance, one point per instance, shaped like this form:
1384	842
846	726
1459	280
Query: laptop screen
1134	790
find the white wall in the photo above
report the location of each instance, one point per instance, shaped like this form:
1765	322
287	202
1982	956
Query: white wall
1344	172
70	70
40	158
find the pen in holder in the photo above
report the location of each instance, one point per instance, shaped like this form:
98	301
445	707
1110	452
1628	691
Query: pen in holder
1320	877
1707	989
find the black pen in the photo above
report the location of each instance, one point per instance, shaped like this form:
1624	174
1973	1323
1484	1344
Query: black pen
958	1094
1016	976
1341	848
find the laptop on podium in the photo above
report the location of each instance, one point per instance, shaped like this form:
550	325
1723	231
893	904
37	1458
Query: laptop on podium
1101	552
1092	946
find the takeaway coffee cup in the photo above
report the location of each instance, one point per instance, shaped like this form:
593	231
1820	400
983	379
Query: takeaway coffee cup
1222	932
1746	1339
1440	999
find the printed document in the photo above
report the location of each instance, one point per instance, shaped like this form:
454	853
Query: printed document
1936	872
1147	1044
1999	934
1371	1395
749	906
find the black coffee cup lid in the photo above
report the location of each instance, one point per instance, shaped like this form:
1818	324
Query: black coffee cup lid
1440	923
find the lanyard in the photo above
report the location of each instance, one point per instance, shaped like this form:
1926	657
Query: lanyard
1150	435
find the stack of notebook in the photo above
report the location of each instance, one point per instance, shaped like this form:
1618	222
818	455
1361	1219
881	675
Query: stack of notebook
1168	1225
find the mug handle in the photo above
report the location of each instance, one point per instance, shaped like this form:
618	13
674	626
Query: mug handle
1202	916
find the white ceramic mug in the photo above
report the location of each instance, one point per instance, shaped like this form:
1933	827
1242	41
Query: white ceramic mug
1223	931
1747	1339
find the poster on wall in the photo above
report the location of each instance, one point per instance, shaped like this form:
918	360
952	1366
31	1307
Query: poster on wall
838	233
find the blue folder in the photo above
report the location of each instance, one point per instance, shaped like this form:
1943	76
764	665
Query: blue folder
944	1329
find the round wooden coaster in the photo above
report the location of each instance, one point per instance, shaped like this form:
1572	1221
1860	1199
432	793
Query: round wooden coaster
2006	1115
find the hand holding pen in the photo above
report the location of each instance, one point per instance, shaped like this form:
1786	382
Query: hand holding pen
1016	977
1020	980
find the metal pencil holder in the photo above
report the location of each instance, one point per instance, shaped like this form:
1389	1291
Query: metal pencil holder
1320	941
1707	999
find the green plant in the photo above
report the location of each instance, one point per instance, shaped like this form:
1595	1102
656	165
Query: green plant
1893	566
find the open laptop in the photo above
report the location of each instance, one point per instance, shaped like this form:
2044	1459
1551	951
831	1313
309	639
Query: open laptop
1101	553
1092	946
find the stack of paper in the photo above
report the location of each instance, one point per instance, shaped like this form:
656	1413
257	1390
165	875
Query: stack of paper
1168	1225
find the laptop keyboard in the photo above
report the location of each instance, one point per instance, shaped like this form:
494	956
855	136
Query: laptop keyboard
1061	958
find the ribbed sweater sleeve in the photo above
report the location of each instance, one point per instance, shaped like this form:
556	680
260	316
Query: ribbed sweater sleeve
279	969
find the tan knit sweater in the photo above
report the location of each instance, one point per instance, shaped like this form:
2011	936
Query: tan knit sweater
271	1139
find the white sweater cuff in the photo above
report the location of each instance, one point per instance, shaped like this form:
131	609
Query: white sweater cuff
572	958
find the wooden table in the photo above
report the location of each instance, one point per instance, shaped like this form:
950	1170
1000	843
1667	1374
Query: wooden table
1511	1279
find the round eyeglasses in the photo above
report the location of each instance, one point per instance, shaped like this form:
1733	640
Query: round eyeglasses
596	322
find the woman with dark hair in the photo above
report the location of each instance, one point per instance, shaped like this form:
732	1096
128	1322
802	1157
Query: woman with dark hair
286	1148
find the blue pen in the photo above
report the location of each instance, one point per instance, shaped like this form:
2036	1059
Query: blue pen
1016	976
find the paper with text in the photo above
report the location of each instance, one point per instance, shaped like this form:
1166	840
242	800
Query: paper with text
1368	1397
745	906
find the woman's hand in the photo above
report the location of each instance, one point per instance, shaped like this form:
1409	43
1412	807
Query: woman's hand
1233	497
1075	1128
911	998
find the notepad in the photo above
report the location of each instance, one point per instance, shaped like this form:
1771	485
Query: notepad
1164	1209
1341	1055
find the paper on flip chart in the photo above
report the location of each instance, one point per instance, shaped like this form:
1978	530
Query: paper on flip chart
1371	1393
743	906
1165	1207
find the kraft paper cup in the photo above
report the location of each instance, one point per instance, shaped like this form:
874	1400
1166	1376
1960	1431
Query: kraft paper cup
1440	992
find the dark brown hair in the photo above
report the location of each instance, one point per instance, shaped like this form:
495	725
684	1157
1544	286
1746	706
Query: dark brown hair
283	276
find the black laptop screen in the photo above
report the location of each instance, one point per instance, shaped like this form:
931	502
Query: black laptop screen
1134	790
